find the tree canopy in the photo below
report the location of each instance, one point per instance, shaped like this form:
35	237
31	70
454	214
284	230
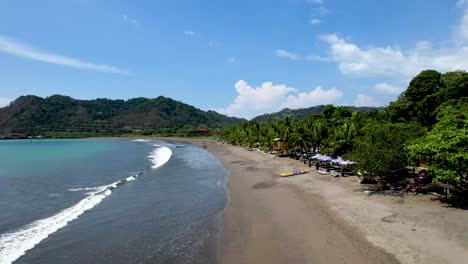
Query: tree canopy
380	151
34	115
445	148
427	122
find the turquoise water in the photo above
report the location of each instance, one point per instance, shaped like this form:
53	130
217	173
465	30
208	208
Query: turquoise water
108	201
19	157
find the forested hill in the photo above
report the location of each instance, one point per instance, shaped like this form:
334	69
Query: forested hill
304	112
33	115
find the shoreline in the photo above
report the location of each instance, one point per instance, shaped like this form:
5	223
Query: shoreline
269	222
315	218
249	232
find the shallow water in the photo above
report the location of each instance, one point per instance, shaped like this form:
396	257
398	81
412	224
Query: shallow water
108	201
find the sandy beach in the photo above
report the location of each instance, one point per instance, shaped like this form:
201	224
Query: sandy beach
316	218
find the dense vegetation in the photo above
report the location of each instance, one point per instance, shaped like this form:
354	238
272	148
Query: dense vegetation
304	112
62	116
427	123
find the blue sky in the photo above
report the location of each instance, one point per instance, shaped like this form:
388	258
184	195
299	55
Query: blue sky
241	58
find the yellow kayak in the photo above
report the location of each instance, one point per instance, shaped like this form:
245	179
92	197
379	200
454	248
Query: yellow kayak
293	173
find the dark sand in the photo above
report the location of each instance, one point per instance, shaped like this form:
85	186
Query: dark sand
268	222
316	218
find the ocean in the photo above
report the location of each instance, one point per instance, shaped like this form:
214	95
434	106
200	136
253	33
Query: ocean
109	201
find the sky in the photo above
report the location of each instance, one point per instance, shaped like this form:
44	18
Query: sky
241	57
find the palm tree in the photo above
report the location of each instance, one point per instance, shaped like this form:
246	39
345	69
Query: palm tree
342	139
301	135
320	132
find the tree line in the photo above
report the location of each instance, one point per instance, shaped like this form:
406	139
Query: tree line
63	116
427	123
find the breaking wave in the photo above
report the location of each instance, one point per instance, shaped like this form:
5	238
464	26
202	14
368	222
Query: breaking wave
142	140
83	189
159	156
15	244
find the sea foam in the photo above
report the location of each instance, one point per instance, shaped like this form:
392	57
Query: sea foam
159	156
131	178
142	140
15	244
83	189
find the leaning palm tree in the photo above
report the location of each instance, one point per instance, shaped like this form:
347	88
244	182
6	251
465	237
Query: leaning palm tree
320	132
286	129
301	136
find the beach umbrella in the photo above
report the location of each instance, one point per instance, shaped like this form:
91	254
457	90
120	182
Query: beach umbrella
347	162
337	160
325	158
317	156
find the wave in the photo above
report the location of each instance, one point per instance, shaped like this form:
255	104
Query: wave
141	140
15	244
159	156
83	189
131	178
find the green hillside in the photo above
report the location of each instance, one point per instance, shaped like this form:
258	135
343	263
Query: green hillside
305	112
33	115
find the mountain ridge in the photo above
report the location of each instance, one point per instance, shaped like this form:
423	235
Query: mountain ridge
34	115
302	113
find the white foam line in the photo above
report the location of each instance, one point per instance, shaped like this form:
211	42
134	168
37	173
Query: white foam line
15	244
141	140
131	178
159	156
83	189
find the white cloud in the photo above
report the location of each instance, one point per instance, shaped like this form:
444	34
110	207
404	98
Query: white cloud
315	21
388	61
317	11
190	33
295	56
320	11
317	58
4	101
231	59
130	20
464	27
314	97
286	54
13	47
252	101
462	33
269	97
462	3
364	100
388	88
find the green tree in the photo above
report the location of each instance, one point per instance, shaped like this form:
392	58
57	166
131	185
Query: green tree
445	147
301	135
320	132
416	102
381	150
424	84
328	111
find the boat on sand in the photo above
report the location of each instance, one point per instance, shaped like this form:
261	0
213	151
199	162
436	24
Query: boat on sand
294	173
